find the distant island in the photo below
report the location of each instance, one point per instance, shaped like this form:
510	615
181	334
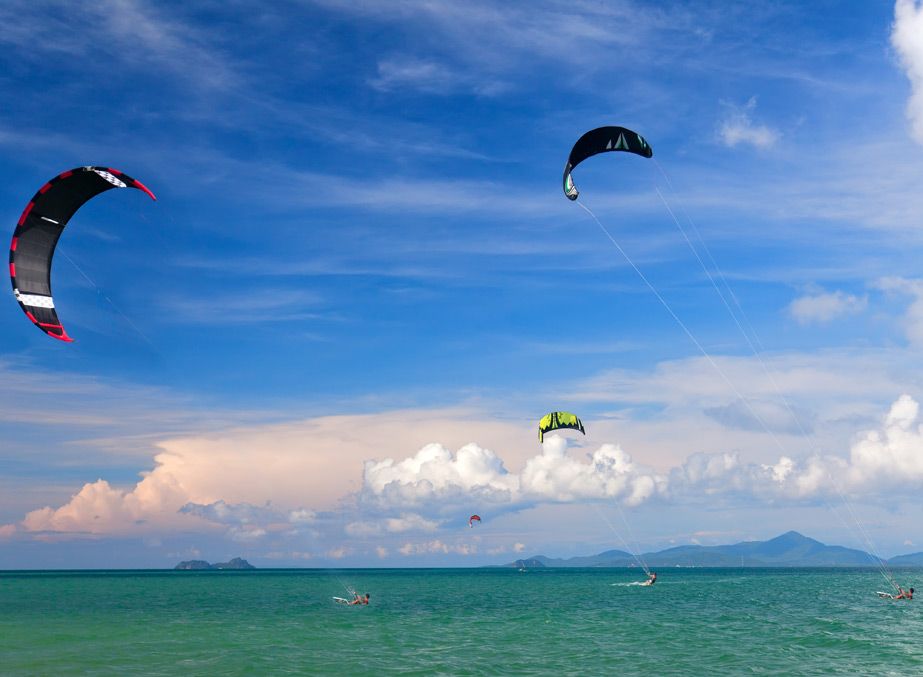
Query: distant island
201	565
791	549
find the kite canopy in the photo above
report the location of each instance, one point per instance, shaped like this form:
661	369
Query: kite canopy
37	233
473	519
602	140
557	420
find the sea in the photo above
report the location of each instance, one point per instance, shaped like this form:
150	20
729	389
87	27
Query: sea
459	622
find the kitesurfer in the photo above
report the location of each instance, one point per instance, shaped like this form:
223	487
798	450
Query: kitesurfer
904	594
361	600
652	578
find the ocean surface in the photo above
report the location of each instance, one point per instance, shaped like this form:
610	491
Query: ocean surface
459	622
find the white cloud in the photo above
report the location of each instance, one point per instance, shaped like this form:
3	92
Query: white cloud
474	475
686	406
246	534
826	306
294	554
503	547
907	39
362	529
781	470
338	553
99	508
703	469
893	455
247	522
738	127
609	473
302	516
271	477
434	473
888	458
437	546
409	522
225	513
393	525
226	480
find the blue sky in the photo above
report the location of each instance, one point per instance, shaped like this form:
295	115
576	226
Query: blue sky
330	339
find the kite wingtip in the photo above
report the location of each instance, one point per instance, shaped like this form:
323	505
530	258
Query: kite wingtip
61	337
141	186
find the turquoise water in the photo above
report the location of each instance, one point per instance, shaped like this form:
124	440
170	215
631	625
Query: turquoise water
458	622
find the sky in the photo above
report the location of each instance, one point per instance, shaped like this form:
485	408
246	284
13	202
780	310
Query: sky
330	339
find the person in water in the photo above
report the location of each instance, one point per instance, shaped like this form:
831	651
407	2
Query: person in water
361	600
904	594
652	578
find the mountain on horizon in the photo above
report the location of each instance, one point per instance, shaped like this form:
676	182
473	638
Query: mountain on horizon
912	560
790	549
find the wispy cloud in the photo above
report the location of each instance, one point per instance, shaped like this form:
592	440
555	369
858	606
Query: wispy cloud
825	197
701	381
90	421
738	127
396	525
761	415
437	546
826	306
264	305
115	33
429	76
555	33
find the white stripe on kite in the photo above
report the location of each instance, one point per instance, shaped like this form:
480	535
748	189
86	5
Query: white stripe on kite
34	300
111	178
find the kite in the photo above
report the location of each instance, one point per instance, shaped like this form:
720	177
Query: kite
37	233
557	420
602	140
